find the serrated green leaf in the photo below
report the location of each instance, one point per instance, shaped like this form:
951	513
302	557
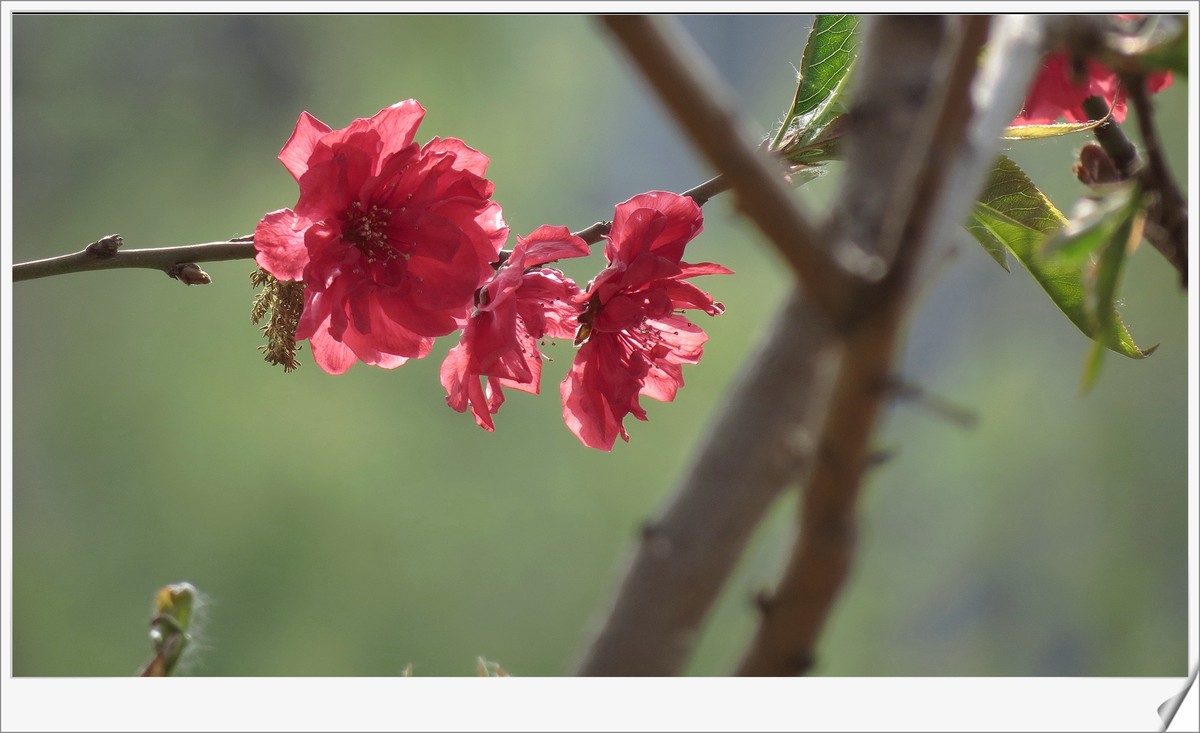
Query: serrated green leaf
824	68
1108	274
1089	232
990	243
1009	191
1040	132
1012	211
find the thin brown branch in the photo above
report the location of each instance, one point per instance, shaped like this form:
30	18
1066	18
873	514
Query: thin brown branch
180	262
906	197
703	107
1112	138
761	437
1166	229
173	261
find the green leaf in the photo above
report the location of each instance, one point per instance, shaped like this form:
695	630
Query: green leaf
991	243
1088	232
1126	227
1013	212
173	608
1039	132
1091	367
824	68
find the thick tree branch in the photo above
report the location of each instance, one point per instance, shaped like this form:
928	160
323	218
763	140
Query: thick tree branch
104	255
761	437
703	107
914	95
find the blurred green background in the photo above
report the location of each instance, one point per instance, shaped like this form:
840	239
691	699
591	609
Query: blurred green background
352	525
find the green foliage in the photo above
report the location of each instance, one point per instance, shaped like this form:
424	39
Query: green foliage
173	606
825	67
1012	213
1040	132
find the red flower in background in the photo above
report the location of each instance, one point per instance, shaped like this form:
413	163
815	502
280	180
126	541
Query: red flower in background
634	339
1056	93
521	304
391	239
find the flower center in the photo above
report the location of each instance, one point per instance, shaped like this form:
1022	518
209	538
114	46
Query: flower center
584	331
365	230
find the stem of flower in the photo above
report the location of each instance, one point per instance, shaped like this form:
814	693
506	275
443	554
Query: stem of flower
104	255
1112	138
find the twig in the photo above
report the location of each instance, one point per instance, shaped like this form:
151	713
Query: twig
703	107
910	196
1168	209
180	262
172	260
936	404
761	437
1112	138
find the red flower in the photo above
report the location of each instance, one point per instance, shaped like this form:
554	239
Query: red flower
634	340
390	238
521	304
1056	93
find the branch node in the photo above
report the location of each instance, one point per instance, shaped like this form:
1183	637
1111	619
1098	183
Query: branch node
800	662
656	541
877	458
1096	167
189	273
104	247
595	232
939	406
763	601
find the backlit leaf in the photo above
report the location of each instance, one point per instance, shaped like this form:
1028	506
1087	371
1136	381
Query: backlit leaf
824	68
1040	132
1013	212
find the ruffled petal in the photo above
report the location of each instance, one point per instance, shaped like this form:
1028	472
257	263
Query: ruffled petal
328	188
330	354
299	147
396	125
585	411
601	389
280	245
682	221
548	244
466	158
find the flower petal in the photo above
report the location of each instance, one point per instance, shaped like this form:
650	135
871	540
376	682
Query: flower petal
397	125
280	246
330	354
548	244
678	221
299	147
466	158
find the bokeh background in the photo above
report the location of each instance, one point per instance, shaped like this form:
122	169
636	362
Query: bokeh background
352	525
